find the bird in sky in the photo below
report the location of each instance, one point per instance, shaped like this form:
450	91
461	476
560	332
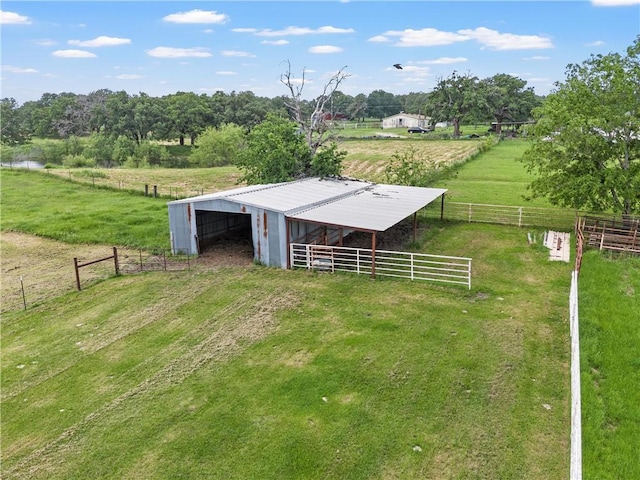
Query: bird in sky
398	66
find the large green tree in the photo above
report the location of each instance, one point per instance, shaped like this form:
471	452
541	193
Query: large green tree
455	99
509	99
586	147
381	104
277	151
218	146
12	130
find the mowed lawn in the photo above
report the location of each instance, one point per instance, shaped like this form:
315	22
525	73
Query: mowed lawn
496	177
264	373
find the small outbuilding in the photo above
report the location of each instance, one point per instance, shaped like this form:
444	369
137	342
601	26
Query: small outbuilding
405	120
312	210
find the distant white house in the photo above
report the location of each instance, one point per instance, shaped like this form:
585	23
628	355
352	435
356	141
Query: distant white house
405	120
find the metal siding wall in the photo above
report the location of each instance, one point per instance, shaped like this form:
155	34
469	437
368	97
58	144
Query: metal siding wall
268	229
179	228
277	240
258	233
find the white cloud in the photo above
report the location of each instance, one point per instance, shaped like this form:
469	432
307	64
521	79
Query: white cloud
536	57
325	49
445	61
101	41
378	39
244	30
13	18
235	53
12	69
426	37
431	37
302	31
275	42
73	54
170	52
46	42
208	30
197	16
597	43
226	73
506	41
129	76
614	3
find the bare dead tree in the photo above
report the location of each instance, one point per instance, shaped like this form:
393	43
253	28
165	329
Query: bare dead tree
315	127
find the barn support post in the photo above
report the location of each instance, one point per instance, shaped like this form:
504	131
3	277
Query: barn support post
442	207
373	254
415	225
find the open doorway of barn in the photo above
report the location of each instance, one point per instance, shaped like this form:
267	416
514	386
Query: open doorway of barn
224	238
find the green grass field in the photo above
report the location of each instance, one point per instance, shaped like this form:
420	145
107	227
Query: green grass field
253	372
610	365
264	373
494	177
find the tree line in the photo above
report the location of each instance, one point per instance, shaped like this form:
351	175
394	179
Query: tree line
185	115
584	151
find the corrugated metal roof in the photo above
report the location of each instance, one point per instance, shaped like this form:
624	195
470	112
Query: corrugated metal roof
288	196
348	203
375	208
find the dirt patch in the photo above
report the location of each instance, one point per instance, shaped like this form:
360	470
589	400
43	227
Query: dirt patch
43	268
226	253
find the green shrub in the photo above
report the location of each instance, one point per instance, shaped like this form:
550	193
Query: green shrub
77	161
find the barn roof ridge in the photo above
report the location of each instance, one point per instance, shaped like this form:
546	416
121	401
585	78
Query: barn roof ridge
321	203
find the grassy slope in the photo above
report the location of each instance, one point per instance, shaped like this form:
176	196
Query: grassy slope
264	373
609	336
494	177
36	203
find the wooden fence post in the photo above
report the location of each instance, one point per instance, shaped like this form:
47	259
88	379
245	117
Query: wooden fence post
75	265
115	260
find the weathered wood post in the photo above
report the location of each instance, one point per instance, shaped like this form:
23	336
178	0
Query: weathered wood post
75	265
115	260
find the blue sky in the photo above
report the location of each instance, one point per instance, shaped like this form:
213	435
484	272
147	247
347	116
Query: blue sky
162	47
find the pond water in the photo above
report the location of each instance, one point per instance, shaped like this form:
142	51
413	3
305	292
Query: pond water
28	164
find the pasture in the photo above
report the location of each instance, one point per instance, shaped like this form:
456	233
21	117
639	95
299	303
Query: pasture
366	160
251	372
262	373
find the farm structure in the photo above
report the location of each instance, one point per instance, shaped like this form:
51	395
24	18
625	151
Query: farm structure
308	211
405	120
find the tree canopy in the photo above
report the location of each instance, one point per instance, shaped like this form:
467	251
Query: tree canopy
455	98
586	146
276	151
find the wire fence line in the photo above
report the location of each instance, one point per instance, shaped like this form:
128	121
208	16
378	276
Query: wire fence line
60	276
